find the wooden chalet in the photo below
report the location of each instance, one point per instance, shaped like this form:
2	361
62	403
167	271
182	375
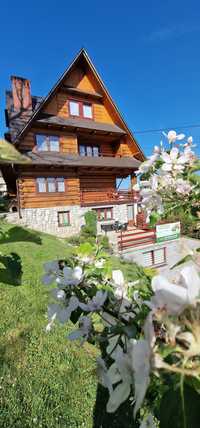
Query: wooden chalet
78	145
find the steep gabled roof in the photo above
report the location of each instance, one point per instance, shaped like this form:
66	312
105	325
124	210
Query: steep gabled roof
82	55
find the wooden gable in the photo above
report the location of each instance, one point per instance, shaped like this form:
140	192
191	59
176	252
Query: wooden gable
83	78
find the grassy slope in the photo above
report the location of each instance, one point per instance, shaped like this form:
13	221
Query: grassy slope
45	381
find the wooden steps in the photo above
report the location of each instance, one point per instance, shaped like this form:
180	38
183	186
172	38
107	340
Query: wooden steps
134	237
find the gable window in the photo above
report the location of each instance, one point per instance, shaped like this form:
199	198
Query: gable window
50	184
80	109
87	150
104	213
74	108
87	111
47	143
63	218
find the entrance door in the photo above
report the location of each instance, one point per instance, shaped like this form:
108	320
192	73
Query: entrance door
131	216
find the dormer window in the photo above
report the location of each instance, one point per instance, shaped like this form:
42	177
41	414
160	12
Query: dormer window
80	109
47	143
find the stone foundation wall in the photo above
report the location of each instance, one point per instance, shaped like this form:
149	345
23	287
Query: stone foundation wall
46	219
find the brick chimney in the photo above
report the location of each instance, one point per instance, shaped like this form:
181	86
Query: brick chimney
21	92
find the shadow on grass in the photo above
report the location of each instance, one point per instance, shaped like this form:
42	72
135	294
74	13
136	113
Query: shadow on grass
12	271
19	234
122	418
11	264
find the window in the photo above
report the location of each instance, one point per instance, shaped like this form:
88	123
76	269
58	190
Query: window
87	150
63	218
80	109
41	184
47	143
74	108
60	184
54	144
155	257
87	111
50	184
104	213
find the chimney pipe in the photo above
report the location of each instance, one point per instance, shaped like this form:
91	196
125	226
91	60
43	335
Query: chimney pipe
21	92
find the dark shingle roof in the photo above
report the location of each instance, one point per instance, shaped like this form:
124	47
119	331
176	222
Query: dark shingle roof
82	124
83	161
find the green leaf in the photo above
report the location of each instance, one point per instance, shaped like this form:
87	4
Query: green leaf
9	154
85	249
154	218
130	331
171	409
184	260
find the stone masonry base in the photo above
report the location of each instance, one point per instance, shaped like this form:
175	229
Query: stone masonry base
46	219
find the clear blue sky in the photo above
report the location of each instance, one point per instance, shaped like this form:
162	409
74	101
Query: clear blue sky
147	52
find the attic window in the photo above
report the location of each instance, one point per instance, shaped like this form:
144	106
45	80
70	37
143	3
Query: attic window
74	108
80	109
87	111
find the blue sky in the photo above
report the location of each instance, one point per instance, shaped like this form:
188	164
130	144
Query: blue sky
147	53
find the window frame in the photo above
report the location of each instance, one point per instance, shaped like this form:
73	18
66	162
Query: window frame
68	216
47	136
46	192
105	209
92	146
81	103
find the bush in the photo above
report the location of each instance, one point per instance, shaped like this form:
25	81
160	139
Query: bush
90	228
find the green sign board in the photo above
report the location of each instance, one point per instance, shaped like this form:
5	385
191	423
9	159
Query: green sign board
168	231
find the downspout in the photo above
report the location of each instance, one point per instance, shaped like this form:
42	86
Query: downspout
18	199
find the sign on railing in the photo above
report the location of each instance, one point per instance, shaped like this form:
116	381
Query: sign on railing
168	231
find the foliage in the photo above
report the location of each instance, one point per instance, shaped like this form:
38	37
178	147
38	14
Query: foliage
43	379
150	325
8	153
89	230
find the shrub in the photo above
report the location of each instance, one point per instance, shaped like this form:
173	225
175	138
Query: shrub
90	227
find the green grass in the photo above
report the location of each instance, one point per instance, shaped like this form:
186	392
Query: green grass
45	381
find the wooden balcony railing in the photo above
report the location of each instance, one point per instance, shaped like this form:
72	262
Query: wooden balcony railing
98	196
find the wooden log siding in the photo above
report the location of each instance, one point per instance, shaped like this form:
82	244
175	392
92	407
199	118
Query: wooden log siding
31	198
97	188
68	143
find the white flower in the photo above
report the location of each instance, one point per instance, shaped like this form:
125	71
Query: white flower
174	298
63	313
172	136
120	370
51	323
70	277
52	270
148	422
183	187
146	165
119	284
190	140
84	330
172	161
141	366
100	263
96	303
58	294
102	374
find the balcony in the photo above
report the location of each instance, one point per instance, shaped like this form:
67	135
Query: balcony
90	197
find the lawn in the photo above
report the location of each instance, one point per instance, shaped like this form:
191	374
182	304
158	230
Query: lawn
45	381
